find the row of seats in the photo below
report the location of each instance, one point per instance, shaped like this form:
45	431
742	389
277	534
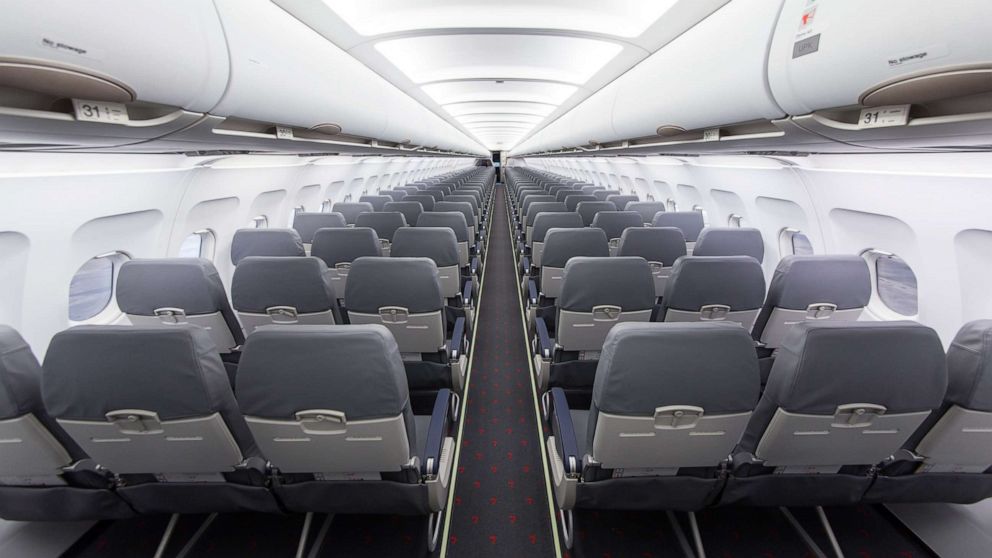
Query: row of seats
853	412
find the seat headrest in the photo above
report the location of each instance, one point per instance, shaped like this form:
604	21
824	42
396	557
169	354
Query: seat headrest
351	210
696	281
644	366
192	284
384	223
531	199
588	210
969	367
412	283
174	371
689	222
647	209
562	244
621	200
376	201
601	195
654	244
335	246
730	242
453	220
20	376
589	190
265	242
437	243
395	195
461	198
803	280
260	283
410	210
543	207
572	201
614	223
623	282
462	207
355	369
426	202
544	222
306	224
822	364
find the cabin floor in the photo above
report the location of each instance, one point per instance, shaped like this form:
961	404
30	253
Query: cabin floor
501	503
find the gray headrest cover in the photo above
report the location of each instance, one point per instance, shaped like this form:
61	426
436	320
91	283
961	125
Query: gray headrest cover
623	282
690	222
736	281
302	283
411	283
647	209
588	210
335	246
969	367
803	280
426	202
464	208
730	242
308	223
461	198
453	220
394	195
377	201
562	244
385	223
437	243
544	222
192	284
20	376
603	194
655	244
543	207
621	201
265	242
573	201
410	210
351	210
531	199
355	369
614	223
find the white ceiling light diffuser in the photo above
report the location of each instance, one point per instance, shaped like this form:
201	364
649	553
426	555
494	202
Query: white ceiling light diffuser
499	90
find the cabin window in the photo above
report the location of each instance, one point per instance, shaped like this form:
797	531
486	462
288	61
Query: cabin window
295	210
699	209
259	222
671	204
735	220
793	242
326	205
200	244
91	290
894	282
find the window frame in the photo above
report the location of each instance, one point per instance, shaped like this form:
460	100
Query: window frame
786	242
260	222
208	243
702	211
877	305
735	220
110	312
671	205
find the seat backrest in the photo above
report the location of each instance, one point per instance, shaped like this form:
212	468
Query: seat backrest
536	209
411	210
403	294
846	394
453	220
426	202
410	190
440	245
614	223
435	195
572	201
306	224
266	242
339	391
170	291
689	222
730	241
647	209
467	197
343	246
283	291
545	221
807	288
668	396
730	288
456	206
395	195
601	195
598	293
377	201
563	192
590	190
161	395
660	246
351	210
531	199
621	201
384	223
35	446
588	210
561	245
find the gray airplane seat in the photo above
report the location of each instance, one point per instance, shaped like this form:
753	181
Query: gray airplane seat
404	295
385	224
307	224
533	211
330	409
949	458
45	475
705	289
394	195
647	209
669	404
154	406
560	245
730	241
597	294
440	245
266	242
339	247
351	210
425	201
621	201
411	210
841	398
660	246
601	195
691	224
465	208
544	222
572	201
168	292
377	202
614	223
454	220
589	209
284	291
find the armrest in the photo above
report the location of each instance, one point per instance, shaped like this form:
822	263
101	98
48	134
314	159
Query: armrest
525	267
532	291
455	345
568	446
545	346
467	288
253	470
436	433
474	265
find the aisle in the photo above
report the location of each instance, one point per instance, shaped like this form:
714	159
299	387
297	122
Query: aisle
500	502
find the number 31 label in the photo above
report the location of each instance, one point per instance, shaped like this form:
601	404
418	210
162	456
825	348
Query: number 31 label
882	117
99	111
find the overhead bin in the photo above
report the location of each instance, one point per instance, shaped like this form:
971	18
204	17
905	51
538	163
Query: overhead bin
916	74
75	74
